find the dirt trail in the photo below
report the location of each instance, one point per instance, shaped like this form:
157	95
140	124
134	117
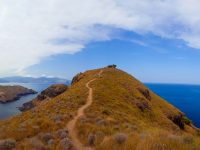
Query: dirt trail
71	125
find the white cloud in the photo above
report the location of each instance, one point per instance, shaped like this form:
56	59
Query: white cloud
33	30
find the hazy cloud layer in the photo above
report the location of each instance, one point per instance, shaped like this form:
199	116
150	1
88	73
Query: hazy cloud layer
33	30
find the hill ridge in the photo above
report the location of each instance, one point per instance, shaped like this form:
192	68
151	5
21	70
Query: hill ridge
80	113
123	115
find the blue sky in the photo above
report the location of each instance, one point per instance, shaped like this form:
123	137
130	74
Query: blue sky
148	57
156	41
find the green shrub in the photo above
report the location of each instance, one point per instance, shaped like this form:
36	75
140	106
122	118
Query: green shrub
186	120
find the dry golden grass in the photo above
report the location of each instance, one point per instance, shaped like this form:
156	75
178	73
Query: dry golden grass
115	110
118	107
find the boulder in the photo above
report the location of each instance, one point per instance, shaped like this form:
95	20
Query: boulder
27	106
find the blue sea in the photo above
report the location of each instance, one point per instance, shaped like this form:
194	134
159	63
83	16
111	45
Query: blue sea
184	97
10	109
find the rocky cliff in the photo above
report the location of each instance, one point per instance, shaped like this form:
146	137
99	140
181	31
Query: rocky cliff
50	92
104	109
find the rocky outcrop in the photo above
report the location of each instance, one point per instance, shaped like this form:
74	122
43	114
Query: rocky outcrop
27	106
50	92
77	78
12	93
180	120
145	93
117	115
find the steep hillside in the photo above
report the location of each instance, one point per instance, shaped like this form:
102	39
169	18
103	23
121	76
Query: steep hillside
103	109
49	93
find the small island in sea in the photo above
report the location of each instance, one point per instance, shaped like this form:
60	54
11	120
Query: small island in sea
105	103
12	93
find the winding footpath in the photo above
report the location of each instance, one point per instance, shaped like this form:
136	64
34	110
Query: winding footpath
80	113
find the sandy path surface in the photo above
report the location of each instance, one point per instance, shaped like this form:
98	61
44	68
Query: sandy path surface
71	125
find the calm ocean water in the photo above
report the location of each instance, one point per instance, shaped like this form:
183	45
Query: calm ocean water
184	97
10	109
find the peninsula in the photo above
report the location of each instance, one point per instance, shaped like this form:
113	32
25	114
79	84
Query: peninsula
12	93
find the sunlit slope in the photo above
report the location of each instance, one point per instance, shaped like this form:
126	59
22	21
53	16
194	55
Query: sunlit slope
124	114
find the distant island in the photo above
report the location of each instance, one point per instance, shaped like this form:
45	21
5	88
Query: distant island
102	109
21	79
12	93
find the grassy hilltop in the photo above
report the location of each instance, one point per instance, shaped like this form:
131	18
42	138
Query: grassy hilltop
124	115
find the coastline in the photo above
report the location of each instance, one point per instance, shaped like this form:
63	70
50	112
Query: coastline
18	97
13	93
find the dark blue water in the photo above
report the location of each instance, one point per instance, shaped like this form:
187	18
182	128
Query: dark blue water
184	97
10	109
